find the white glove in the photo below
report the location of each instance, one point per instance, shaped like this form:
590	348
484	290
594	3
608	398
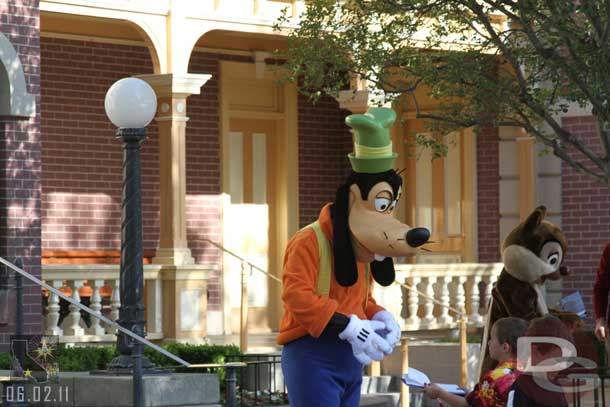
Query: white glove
392	329
367	345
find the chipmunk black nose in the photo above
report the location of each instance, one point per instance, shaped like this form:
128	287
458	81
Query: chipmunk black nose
417	236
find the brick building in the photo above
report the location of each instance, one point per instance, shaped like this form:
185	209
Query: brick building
230	147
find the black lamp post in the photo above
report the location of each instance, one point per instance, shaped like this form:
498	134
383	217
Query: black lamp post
130	105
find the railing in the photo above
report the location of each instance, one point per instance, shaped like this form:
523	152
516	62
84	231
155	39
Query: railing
261	382
100	284
20	384
430	296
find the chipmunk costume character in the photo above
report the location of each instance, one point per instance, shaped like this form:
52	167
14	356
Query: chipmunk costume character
532	253
332	326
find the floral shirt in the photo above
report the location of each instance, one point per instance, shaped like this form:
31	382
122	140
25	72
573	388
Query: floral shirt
493	390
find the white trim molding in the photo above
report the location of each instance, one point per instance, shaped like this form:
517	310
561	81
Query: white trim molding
19	102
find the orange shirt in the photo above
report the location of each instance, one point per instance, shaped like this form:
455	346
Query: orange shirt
306	312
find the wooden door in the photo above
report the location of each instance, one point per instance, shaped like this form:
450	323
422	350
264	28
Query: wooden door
440	193
248	220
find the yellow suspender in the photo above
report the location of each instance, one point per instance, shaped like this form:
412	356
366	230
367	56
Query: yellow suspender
326	267
324	275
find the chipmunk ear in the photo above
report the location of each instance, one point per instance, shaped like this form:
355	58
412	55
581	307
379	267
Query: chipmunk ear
534	219
344	260
383	271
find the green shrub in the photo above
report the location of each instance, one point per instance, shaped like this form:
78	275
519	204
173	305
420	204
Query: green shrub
5	360
78	359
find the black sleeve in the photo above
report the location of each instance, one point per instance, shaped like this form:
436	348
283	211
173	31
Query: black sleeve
516	398
336	325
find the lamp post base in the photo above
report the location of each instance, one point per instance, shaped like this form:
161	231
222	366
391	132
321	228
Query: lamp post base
123	365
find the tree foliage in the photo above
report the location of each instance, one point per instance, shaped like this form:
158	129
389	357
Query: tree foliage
500	62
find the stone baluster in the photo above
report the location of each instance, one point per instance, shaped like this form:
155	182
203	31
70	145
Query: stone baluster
490	281
444	318
460	295
115	304
71	324
52	318
475	317
96	305
428	289
413	321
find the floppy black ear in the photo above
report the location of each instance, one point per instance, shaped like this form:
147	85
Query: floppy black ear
346	272
383	271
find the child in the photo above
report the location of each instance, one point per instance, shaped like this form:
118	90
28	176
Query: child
492	391
528	391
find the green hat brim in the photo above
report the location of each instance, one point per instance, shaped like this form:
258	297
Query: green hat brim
373	165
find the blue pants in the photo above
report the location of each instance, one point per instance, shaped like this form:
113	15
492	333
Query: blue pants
321	372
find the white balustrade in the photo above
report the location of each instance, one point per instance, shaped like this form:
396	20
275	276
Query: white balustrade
96	305
52	318
72	324
413	301
475	317
73	328
460	294
429	320
444	318
453	285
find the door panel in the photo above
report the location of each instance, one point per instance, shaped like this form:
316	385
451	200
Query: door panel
435	194
247	227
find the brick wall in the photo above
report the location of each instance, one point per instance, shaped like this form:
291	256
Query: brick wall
488	194
585	214
20	166
324	142
81	158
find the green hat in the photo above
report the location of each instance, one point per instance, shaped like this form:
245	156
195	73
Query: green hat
373	145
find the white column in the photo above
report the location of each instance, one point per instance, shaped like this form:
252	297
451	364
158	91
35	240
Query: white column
96	305
428	288
71	324
460	294
444	317
115	304
490	281
475	317
413	303
52	318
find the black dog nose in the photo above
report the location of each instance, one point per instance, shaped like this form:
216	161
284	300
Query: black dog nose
417	236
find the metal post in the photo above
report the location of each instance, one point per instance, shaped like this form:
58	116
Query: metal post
19	348
231	380
243	316
404	368
131	312
463	351
138	385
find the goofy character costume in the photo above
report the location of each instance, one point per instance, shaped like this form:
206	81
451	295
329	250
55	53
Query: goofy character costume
332	326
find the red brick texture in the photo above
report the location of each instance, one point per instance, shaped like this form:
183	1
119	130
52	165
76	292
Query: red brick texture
324	142
20	164
585	214
488	194
81	158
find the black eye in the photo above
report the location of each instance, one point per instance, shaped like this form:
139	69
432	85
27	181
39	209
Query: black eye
553	259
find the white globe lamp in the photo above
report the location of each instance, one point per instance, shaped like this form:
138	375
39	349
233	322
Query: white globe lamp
130	103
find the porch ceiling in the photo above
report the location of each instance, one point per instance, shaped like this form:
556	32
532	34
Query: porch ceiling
95	27
241	41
